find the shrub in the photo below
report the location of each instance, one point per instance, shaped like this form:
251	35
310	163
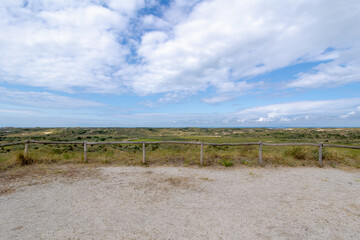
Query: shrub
296	153
24	160
226	163
155	147
56	151
69	148
244	161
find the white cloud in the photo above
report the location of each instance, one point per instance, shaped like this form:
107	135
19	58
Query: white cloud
348	115
285	119
128	7
303	110
61	46
44	100
153	22
330	74
262	119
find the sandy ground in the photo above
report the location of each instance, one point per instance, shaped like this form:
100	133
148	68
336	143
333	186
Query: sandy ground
186	203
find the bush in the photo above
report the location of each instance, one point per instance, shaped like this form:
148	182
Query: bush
244	161
154	147
24	160
296	153
226	163
56	151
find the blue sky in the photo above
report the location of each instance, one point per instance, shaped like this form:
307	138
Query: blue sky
216	63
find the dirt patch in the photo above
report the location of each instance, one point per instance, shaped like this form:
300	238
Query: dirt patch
162	185
18	178
6	190
178	181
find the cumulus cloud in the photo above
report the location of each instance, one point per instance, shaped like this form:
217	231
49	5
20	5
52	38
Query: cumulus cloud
222	42
66	46
332	74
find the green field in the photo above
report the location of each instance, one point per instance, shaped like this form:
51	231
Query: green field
184	155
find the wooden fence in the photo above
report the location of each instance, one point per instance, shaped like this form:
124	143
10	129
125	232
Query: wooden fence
260	144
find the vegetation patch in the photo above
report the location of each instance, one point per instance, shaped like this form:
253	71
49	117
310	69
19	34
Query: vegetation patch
226	163
24	160
297	153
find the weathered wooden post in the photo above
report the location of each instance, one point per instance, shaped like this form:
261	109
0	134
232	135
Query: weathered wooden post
85	152
260	153
202	154
26	150
144	153
320	154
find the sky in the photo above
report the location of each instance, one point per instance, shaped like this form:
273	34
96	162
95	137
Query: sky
179	63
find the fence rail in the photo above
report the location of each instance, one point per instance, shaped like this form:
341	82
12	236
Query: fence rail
290	144
341	146
260	144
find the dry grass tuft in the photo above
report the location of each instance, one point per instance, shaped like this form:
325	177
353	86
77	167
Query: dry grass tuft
24	160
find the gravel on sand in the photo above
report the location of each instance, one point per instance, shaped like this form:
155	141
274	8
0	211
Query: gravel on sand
187	203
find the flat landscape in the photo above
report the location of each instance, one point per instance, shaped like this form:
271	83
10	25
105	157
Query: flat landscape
181	203
182	155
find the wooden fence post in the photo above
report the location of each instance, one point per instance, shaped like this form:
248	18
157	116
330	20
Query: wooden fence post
85	152
260	153
320	154
202	154
26	150
144	153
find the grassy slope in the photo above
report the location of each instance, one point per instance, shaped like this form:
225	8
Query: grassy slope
183	154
